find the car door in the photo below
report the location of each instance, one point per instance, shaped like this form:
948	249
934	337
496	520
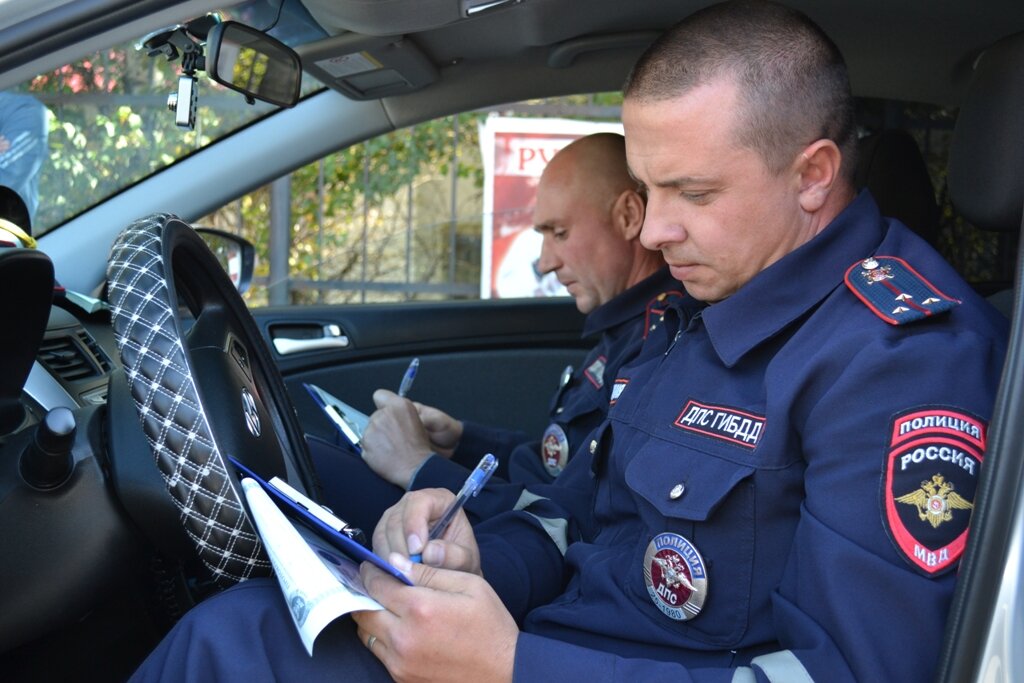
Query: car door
494	361
376	253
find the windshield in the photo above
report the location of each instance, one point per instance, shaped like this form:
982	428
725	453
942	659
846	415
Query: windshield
72	137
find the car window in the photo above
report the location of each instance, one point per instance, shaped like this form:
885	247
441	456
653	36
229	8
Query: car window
85	131
407	215
429	212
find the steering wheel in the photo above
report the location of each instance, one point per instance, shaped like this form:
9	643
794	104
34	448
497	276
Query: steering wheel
204	385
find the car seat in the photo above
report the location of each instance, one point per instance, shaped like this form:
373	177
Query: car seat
986	167
890	164
986	185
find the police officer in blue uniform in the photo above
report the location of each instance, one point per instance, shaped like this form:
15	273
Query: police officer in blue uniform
578	406
782	486
23	148
590	215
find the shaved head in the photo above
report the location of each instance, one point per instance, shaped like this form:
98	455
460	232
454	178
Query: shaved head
590	215
594	166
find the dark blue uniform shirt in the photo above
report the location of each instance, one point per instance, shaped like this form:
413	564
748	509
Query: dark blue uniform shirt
578	406
783	482
780	492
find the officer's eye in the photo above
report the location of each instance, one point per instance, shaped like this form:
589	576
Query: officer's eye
696	197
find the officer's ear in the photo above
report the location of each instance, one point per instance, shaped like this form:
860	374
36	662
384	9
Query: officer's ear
628	214
818	166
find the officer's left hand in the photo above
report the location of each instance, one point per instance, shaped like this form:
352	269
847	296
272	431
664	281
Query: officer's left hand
450	626
444	431
395	442
403	530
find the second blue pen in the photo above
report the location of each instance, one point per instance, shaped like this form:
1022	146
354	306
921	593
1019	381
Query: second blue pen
474	483
408	377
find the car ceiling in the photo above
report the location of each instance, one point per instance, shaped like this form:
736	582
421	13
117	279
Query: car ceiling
905	49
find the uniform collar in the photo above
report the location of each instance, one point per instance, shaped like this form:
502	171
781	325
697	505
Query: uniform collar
630	303
794	284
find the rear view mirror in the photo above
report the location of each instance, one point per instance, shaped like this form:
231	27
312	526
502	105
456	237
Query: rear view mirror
236	254
254	64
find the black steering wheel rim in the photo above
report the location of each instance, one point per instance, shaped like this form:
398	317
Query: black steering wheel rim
202	391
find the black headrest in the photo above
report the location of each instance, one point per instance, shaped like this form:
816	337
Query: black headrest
889	163
26	279
12	207
986	161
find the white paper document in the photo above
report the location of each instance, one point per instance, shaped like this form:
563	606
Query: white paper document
319	583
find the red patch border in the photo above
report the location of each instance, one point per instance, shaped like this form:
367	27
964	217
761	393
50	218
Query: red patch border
902	537
725	409
945	412
590	377
613	397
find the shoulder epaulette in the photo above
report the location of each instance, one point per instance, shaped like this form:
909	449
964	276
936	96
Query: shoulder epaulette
657	306
894	291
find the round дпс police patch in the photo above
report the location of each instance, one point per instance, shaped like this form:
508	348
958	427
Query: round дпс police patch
554	449
930	478
675	576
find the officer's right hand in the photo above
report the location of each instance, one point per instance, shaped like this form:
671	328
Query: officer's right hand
394	442
449	626
444	431
404	529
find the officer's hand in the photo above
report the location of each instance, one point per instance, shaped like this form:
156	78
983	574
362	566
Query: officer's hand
444	431
450	626
404	527
394	442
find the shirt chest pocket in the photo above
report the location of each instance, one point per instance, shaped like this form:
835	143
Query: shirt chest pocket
694	557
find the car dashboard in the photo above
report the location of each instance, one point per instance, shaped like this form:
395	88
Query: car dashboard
68	542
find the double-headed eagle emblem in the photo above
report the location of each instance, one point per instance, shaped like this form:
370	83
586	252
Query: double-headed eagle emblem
936	500
674	574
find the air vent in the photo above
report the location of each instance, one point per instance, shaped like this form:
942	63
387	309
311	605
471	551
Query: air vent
95	351
73	357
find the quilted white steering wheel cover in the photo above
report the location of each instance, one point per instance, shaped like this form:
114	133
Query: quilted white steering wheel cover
159	376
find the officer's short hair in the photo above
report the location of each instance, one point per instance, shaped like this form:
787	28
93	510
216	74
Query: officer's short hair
794	86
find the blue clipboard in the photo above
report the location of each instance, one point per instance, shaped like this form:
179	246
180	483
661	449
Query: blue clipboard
336	538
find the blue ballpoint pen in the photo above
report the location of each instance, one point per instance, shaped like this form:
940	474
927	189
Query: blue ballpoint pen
474	483
408	377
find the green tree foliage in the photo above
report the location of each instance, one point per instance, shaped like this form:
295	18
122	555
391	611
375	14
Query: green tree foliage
371	191
110	127
357	213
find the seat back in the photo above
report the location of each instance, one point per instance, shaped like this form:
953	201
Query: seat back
986	166
986	185
890	165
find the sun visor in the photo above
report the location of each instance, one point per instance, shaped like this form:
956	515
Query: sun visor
368	67
393	17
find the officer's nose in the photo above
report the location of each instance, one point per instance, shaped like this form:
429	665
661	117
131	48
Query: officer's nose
548	260
659	228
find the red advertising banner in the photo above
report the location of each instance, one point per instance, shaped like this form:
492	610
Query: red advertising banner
515	152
